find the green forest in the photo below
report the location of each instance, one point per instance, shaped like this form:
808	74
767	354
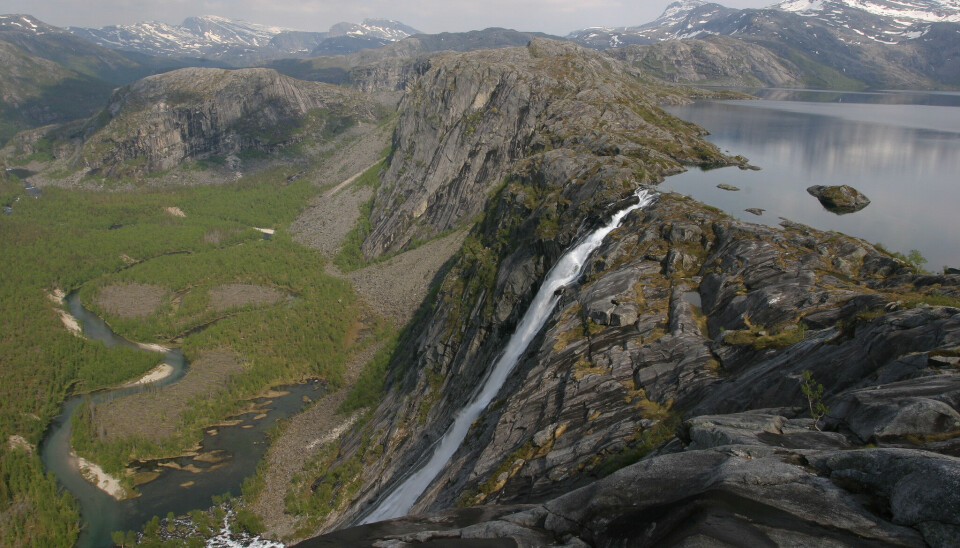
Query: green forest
84	241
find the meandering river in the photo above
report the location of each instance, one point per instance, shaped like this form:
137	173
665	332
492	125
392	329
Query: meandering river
901	149
184	483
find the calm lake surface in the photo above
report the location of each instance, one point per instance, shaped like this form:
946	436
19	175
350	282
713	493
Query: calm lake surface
901	149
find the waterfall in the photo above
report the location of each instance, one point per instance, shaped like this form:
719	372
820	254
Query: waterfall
567	270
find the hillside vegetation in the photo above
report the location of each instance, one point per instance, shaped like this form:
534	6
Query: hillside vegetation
80	240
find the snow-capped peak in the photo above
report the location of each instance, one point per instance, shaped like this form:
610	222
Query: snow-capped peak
196	36
679	9
221	29
915	11
24	23
384	29
220	37
801	6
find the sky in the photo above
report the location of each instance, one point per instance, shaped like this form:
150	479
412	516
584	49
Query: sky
551	16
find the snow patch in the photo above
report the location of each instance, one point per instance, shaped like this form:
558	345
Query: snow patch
802	7
902	13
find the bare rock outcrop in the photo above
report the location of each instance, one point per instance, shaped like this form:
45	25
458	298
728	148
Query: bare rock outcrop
468	120
221	117
161	121
714	60
662	402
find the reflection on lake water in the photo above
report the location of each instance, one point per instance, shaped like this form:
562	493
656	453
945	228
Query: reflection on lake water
900	149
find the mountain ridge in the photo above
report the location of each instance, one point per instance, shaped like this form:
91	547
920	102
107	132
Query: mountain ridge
241	42
693	18
830	44
197	125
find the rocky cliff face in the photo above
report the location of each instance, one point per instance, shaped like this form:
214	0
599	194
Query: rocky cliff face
164	121
546	139
685	343
470	117
683	346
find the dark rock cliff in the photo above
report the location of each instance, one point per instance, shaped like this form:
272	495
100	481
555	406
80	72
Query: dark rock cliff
545	141
470	117
685	343
663	402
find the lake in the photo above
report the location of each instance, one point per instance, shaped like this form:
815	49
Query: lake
901	149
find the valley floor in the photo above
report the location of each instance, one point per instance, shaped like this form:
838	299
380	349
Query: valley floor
394	289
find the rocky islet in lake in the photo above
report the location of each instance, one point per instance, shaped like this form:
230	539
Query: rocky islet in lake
840	199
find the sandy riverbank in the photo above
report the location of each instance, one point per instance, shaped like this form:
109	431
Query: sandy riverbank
152	347
57	296
70	323
104	481
17	441
158	373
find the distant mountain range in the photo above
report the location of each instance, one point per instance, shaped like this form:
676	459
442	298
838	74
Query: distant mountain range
241	43
51	75
827	43
883	21
48	75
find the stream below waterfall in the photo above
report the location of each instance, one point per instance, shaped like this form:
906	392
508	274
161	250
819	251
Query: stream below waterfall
183	483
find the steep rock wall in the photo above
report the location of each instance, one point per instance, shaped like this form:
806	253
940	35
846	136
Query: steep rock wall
159	122
685	343
470	117
585	154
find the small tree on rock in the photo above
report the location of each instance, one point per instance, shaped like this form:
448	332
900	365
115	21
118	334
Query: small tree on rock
814	394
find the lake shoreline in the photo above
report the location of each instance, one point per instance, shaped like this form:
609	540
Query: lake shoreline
901	151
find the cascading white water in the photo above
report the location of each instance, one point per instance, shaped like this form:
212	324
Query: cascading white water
567	269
